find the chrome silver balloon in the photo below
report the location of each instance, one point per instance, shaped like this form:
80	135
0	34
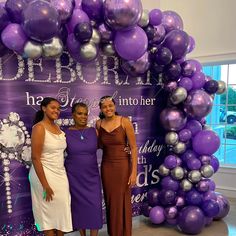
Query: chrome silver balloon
221	87
186	185
33	50
163	171
96	37
171	138
207	171
144	20
53	49
194	176
88	51
108	49
179	148
177	173
178	95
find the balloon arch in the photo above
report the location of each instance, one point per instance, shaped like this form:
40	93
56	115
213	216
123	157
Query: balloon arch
144	41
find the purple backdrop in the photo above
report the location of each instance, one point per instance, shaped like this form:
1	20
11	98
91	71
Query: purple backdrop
24	83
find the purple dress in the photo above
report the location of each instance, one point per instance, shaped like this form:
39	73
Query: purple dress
84	179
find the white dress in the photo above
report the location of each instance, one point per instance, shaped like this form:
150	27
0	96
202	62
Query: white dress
55	214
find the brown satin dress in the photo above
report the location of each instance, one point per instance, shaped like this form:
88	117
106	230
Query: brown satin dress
115	171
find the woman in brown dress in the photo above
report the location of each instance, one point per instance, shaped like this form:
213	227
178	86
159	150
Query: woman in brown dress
119	168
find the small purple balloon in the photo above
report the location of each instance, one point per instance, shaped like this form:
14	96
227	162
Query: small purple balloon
14	9
157	215
193	197
194	164
205	159
171	86
198	80
203	186
191	220
155	17
212	185
64	8
206	142
214	162
188	68
211	86
210	208
152	197
180	201
171	212
168	183
185	135
145	209
167	197
172	21
186	83
159	34
191	44
14	38
194	126
4	19
170	161
189	154
223	205
173	71
131	44
198	104
173	119
124	14
163	56
93	8
209	195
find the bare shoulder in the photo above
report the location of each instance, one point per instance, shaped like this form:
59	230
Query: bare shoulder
98	123
39	128
126	120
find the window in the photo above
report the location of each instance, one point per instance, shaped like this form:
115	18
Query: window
222	119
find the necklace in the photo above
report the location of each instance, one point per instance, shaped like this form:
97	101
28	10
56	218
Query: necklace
82	133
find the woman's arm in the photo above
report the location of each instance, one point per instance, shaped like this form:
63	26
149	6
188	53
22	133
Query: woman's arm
37	141
129	129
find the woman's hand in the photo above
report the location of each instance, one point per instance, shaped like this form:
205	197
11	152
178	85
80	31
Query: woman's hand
48	194
132	179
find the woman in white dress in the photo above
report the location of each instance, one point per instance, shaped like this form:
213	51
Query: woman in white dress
48	179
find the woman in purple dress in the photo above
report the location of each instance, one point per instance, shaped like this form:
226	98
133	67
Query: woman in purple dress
83	174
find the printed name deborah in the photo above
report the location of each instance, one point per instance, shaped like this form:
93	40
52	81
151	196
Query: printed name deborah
141	101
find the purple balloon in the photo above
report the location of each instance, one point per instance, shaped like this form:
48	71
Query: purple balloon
209	194
145	209
168	183
180	201
205	160
212	185
41	20
203	185
171	212
177	41
163	56
193	197
170	161
155	17
194	126
171	86
64	8
197	65
206	142
211	86
138	67
78	16
83	32
214	162
167	197
14	37
14	9
185	135
94	9
159	34
172	21
191	44
4	19
173	71
73	46
186	83
191	220
210	208
223	205
157	215
198	80
193	164
152	197
198	104
131	44
188	68
124	14
189	154
106	33
173	119
78	4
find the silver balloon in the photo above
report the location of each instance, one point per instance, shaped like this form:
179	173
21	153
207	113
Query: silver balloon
221	87
163	171
108	49
33	50
186	185
53	48
207	171
179	148
144	20
88	52
177	173
207	127
194	176
178	95
96	38
171	138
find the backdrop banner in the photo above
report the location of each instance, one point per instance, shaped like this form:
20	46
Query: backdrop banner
23	85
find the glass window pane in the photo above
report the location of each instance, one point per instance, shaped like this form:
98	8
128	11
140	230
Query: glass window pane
230	157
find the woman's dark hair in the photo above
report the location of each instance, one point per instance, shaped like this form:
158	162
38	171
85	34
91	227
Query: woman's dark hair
101	115
40	114
78	104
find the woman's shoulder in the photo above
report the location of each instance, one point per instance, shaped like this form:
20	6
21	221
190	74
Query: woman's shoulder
38	126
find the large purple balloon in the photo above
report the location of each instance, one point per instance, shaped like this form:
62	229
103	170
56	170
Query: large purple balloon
94	9
138	67
206	142
122	14
78	16
173	119
131	44
157	215
64	8
198	104
14	9
171	21
41	20
191	220
152	197
4	19
14	37
210	208
224	207
177	41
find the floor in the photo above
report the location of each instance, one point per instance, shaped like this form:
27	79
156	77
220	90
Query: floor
143	227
